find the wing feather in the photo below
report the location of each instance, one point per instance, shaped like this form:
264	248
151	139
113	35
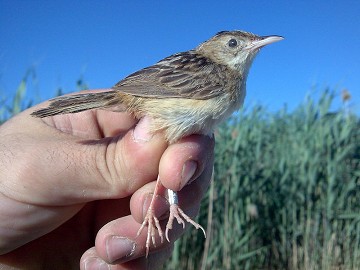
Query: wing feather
182	75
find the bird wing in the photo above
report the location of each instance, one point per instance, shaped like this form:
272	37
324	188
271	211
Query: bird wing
182	75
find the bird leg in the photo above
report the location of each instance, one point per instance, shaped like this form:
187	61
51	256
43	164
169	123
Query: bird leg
176	212
153	222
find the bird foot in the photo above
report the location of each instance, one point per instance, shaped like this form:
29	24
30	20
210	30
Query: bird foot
176	212
153	225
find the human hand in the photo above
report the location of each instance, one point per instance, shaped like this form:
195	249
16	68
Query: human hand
71	180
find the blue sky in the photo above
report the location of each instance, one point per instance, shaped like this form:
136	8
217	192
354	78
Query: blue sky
103	41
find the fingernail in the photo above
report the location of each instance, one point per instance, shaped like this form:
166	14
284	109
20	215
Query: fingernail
118	248
142	130
95	263
188	171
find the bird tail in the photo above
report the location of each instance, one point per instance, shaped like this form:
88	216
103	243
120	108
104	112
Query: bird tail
79	103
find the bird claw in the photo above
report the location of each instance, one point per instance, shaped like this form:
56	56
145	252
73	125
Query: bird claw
153	224
176	212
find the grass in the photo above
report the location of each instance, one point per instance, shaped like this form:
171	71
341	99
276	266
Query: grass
20	102
285	193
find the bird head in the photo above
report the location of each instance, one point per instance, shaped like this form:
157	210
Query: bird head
235	49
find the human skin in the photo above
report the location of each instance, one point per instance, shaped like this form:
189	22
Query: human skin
76	187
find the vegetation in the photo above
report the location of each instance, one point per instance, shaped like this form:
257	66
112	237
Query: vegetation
285	193
19	102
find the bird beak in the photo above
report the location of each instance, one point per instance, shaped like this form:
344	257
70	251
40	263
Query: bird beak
262	41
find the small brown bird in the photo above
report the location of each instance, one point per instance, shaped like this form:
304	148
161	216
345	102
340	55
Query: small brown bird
186	93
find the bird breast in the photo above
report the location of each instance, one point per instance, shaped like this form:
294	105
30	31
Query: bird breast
179	117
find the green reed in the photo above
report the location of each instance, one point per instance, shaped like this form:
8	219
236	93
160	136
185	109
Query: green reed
285	193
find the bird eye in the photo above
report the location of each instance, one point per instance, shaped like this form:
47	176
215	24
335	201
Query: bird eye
232	43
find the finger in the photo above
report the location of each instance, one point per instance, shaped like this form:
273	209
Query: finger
117	242
174	173
91	124
184	161
140	202
85	170
189	197
181	162
90	260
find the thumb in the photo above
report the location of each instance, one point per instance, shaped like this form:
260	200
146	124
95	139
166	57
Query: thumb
50	167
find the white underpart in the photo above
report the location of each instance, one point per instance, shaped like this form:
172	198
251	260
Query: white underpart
181	119
242	62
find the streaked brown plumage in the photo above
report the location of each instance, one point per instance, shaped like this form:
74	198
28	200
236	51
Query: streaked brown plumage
186	93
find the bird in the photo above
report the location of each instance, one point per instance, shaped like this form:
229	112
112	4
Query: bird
186	93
